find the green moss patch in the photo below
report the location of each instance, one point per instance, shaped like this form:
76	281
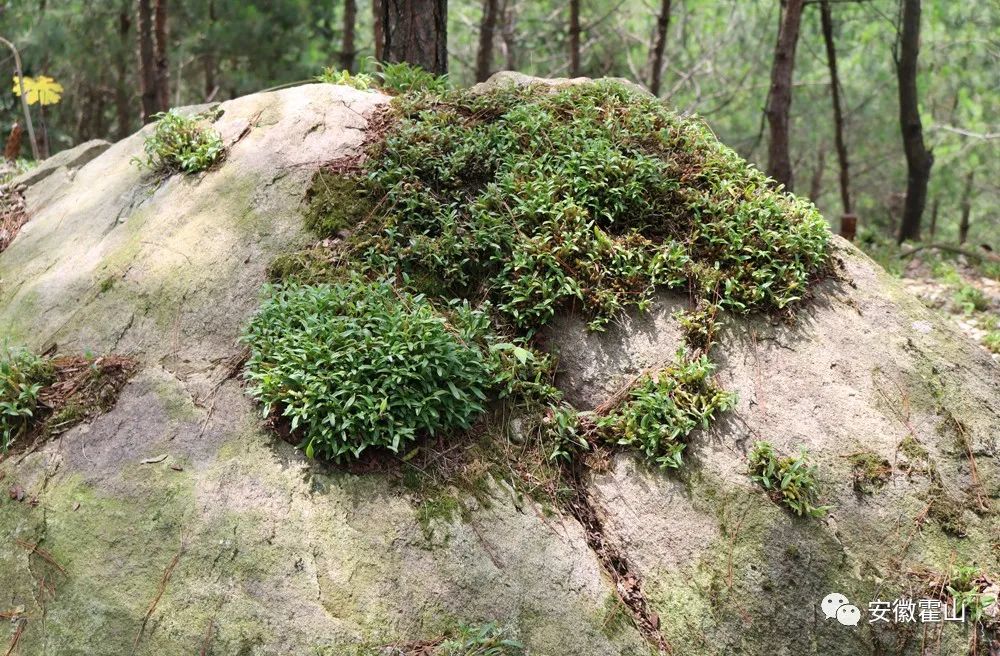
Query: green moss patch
871	472
335	202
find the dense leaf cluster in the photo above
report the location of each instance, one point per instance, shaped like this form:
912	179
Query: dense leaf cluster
22	376
790	480
589	195
664	408
362	364
181	144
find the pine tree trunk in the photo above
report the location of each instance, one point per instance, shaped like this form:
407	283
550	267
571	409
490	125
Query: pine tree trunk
162	64
918	159
838	117
484	57
659	45
779	163
347	50
963	226
416	32
574	38
147	69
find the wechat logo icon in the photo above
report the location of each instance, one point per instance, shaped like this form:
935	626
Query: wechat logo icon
836	606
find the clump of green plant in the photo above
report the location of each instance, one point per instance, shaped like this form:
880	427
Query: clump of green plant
549	198
790	480
664	408
181	144
970	299
22	377
565	433
992	341
486	640
362	364
871	471
403	77
333	75
968	586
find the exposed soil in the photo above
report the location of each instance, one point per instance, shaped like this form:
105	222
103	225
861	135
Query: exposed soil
82	389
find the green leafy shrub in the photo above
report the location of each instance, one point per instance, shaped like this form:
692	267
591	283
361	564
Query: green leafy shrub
360	364
590	195
22	376
332	75
992	341
662	410
181	144
402	77
565	433
970	299
790	480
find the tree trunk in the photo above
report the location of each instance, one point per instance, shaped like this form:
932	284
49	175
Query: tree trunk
508	34
122	109
211	86
162	64
416	32
779	163
347	50
918	159
378	11
816	186
484	58
934	215
574	38
963	226
659	45
838	117
147	69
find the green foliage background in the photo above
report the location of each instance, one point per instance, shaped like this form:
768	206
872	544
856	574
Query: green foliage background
718	57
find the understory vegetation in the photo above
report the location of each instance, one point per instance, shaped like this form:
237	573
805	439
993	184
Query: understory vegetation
479	217
22	377
181	144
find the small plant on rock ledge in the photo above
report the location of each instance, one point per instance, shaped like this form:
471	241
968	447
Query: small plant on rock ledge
181	144
22	377
790	480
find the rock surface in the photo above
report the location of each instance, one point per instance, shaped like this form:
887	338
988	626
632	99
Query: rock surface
248	548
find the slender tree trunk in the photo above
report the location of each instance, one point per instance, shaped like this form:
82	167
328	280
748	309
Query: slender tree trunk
378	11
816	185
838	117
508	34
659	45
147	71
963	226
416	32
918	159
779	163
347	50
211	86
122	109
574	38
934	215
162	64
484	58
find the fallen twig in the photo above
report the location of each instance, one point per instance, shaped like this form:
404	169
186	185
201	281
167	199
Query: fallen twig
167	573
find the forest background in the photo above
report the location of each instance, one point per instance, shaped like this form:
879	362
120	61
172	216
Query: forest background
714	58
